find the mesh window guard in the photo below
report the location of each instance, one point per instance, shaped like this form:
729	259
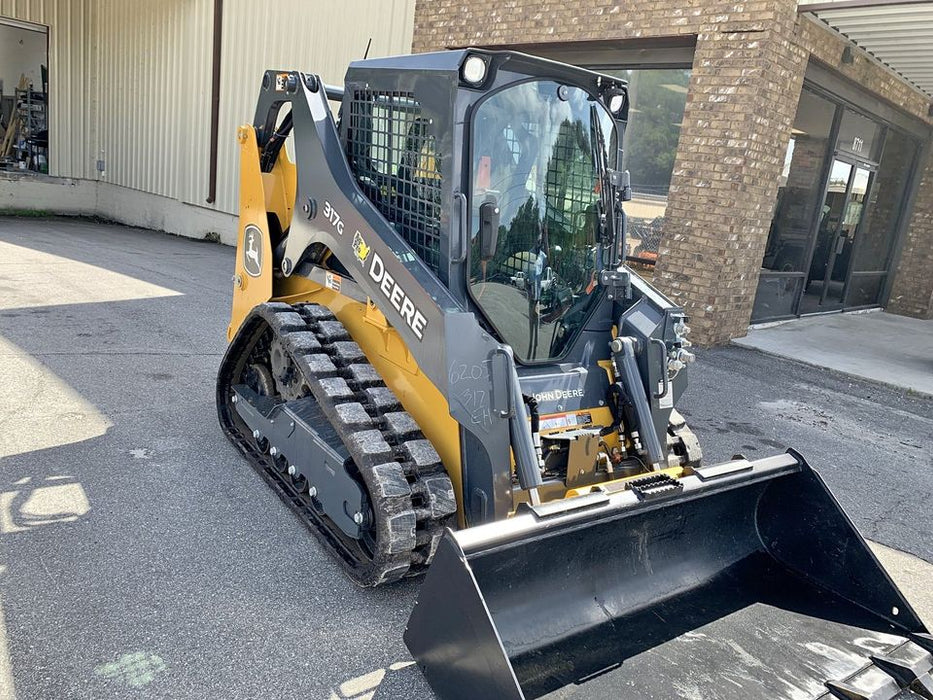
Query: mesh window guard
396	164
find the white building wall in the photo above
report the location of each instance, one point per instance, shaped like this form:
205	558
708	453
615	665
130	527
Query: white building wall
320	37
130	84
152	96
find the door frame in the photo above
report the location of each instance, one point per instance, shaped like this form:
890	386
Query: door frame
872	176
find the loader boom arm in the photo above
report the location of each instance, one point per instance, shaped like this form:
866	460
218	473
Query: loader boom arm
330	209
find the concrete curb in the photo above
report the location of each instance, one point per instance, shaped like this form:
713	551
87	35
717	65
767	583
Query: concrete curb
918	393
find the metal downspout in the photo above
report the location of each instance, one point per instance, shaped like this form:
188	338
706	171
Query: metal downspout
215	98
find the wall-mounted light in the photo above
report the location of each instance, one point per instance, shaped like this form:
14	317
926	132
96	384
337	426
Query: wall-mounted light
847	55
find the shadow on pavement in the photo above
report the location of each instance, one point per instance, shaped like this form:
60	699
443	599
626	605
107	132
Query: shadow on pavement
144	557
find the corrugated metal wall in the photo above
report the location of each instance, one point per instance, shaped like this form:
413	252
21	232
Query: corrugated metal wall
153	95
130	80
316	37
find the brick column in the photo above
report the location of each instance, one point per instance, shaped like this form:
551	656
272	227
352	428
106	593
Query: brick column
741	104
912	290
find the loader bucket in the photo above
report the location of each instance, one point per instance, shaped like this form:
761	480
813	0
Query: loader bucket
746	580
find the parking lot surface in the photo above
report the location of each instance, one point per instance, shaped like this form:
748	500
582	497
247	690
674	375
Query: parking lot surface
141	557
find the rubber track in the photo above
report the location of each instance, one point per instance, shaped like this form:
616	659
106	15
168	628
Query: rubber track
410	493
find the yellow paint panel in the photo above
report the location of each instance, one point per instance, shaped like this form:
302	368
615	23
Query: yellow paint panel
279	188
249	291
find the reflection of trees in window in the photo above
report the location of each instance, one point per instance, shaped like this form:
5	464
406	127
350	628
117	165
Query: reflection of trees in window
521	237
570	191
658	98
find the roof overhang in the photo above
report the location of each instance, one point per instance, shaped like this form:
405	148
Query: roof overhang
898	33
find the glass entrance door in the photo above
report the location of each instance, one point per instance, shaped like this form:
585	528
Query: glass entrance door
838	211
838	281
839	221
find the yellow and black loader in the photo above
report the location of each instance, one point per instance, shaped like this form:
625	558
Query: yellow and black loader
440	360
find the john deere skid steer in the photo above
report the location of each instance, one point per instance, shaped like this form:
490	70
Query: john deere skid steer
439	359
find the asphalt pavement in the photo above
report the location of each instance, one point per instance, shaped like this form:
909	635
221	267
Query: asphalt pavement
140	557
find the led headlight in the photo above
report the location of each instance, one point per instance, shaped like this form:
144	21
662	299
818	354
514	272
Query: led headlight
617	102
474	70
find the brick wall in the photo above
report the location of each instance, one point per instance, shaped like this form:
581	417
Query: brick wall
912	291
748	70
740	108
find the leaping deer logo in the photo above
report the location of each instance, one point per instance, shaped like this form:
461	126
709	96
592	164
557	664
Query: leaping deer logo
360	249
252	255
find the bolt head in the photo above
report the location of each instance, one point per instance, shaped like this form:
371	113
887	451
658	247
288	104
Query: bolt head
233	399
358	518
312	491
273	450
256	434
291	470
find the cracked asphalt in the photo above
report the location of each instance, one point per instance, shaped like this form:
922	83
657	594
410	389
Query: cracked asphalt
140	557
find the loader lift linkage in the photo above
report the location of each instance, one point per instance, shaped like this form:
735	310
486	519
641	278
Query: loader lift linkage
440	361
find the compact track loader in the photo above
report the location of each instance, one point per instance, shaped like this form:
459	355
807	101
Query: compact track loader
440	360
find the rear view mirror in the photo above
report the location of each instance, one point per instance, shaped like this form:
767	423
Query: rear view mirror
488	230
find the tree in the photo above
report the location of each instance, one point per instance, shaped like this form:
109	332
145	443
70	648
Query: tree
658	101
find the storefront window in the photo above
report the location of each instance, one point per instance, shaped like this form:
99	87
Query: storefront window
859	136
799	191
876	236
838	210
658	98
796	208
884	207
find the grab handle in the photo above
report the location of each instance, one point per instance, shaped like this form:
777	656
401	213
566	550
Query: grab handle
665	380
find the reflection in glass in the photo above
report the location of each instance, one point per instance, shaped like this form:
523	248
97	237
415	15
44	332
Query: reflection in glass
864	290
776	297
848	229
799	195
886	200
657	98
859	136
832	236
831	215
538	154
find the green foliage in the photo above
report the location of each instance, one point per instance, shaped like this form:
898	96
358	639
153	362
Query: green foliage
27	213
658	100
